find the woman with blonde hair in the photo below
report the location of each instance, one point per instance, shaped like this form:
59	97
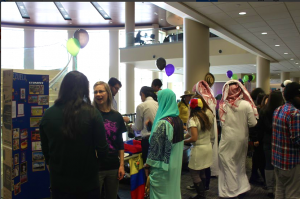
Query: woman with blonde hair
111	169
200	122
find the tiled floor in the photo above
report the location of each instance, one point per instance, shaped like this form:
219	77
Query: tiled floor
256	191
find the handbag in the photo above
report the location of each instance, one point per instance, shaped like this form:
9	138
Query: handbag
147	189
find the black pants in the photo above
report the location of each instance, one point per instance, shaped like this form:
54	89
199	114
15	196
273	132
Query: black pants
145	148
258	162
94	194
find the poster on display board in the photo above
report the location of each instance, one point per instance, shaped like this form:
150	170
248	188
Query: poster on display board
25	98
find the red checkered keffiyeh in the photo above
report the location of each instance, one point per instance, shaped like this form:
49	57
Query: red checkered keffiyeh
203	89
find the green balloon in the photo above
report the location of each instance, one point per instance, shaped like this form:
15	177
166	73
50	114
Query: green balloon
245	78
234	76
253	77
73	46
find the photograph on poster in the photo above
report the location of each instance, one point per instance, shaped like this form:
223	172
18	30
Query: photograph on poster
37	156
22	95
36	110
38	166
35	136
16	170
16	159
36	89
24	144
16	144
43	100
32	99
23	178
35	121
24	133
17	188
36	146
23	167
23	156
16	133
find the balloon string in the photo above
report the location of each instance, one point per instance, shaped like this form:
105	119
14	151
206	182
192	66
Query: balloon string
75	62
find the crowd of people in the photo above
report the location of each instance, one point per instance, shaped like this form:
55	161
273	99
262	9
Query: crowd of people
84	150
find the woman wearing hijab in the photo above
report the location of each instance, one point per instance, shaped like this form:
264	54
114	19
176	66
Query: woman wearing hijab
200	135
203	89
165	151
237	113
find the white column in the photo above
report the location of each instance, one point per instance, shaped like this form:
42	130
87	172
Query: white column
28	48
129	29
195	52
263	74
114	56
295	79
155	75
71	35
155	31
284	76
130	89
129	23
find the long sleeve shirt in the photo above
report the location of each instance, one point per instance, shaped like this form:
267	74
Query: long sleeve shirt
286	137
73	162
144	111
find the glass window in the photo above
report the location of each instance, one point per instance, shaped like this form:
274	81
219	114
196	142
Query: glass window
142	78
50	50
93	59
12	48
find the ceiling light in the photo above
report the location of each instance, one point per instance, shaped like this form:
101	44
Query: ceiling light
292	59
177	27
286	53
242	13
27	21
254	65
161	19
277	45
22	10
155	13
62	11
264	33
101	11
297	63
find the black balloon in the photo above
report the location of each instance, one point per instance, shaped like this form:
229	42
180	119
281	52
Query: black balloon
161	63
250	78
82	36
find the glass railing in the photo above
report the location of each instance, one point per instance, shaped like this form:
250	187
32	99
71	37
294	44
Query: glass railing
153	36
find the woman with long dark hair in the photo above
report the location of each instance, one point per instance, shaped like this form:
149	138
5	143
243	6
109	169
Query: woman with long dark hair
200	122
73	136
111	168
144	112
264	127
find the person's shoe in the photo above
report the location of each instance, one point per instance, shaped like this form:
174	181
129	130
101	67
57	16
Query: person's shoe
200	191
190	187
206	188
270	195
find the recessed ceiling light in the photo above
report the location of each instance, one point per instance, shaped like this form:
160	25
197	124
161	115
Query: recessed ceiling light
297	63
277	45
292	59
161	19
177	27
264	33
286	53
242	13
155	13
254	65
27	21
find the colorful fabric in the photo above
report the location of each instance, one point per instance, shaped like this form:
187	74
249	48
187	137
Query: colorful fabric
137	177
231	95
196	103
203	89
183	111
132	146
286	137
167	106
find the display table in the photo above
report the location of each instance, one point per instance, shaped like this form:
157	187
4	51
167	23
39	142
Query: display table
131	156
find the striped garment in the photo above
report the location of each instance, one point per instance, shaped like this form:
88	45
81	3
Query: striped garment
286	137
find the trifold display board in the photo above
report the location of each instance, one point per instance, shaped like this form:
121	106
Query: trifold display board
25	98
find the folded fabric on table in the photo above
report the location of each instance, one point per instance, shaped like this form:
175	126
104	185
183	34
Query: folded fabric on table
132	146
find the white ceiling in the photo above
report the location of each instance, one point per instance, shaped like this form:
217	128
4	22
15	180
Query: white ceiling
280	20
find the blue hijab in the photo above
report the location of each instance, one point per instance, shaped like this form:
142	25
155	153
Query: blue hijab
167	106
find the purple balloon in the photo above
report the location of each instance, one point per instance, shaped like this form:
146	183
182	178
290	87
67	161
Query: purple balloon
169	69
229	74
240	80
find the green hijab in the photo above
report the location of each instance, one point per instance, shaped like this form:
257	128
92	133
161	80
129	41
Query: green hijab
167	106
